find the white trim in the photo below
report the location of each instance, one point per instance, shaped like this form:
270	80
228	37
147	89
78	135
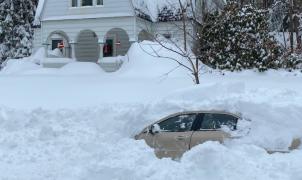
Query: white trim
88	16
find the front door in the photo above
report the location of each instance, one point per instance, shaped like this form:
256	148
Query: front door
108	48
174	136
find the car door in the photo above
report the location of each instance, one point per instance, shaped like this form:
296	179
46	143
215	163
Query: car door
210	128
174	136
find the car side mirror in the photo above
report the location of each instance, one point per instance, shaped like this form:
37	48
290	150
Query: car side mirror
154	129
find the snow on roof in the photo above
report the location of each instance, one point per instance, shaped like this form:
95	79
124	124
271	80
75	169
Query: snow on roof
39	12
151	9
167	10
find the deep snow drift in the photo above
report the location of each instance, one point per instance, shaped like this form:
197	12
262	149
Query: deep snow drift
78	122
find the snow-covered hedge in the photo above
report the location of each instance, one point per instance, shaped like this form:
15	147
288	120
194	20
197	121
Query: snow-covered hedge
237	39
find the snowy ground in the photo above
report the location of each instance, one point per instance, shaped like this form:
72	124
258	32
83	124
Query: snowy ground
78	123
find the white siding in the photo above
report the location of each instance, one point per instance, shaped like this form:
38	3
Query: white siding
143	25
175	29
62	8
100	26
37	43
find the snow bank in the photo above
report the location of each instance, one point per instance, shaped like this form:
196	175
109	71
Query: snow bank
27	67
81	68
56	53
15	66
86	126
143	62
38	56
270	110
96	143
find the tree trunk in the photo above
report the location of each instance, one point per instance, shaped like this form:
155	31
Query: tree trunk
291	26
184	29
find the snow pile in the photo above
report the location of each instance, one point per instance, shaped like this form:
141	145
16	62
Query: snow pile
96	143
78	122
38	56
15	66
151	60
56	53
270	110
81	68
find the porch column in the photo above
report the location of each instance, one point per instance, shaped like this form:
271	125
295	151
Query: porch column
101	45
72	44
46	46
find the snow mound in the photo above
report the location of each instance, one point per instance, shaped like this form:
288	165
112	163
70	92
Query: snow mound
38	56
15	66
56	53
81	68
96	143
270	110
143	62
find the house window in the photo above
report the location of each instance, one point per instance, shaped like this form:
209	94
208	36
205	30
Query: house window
87	2
81	3
99	2
74	3
55	43
167	35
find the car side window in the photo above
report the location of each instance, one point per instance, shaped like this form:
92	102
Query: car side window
216	121
180	123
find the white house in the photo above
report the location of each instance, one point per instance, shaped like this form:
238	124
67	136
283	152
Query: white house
89	30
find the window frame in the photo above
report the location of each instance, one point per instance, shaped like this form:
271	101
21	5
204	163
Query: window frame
99	5
167	118
92	3
71	4
80	2
199	128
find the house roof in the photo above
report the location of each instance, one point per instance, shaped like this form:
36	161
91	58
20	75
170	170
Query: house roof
153	10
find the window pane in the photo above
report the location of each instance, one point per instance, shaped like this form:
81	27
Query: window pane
99	2
87	2
74	3
215	121
179	123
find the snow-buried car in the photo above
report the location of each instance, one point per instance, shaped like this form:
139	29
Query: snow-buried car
175	134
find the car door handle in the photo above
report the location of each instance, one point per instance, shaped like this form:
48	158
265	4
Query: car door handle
180	138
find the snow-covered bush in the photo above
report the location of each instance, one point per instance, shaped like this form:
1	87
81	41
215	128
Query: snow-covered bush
16	32
238	38
292	61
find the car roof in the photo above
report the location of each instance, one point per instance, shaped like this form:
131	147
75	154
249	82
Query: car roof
199	111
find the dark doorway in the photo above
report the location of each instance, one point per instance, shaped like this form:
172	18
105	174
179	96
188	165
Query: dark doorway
108	48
